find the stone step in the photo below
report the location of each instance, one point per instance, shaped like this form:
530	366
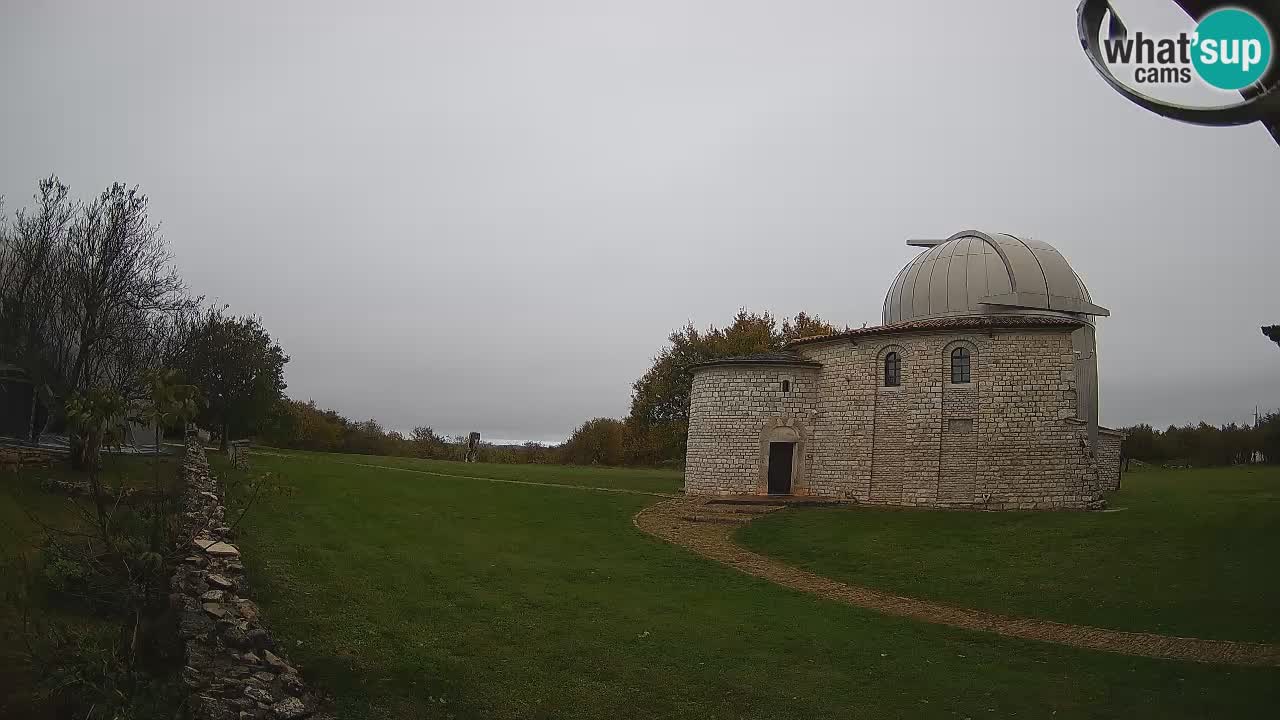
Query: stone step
744	509
772	501
717	518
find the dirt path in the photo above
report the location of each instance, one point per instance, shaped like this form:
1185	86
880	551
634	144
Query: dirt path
706	529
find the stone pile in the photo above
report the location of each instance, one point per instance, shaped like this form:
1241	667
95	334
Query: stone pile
234	668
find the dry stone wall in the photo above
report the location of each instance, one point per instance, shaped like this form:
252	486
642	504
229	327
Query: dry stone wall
1008	439
26	456
234	670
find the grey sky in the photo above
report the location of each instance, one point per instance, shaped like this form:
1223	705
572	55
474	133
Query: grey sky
489	215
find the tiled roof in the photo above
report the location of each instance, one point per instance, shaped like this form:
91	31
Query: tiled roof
764	358
959	322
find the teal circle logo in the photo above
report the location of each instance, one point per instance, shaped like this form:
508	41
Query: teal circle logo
1232	49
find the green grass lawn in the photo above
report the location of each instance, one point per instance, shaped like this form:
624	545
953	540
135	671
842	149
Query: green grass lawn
1193	552
410	596
640	479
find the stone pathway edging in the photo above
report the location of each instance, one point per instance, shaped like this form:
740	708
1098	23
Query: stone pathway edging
231	671
673	522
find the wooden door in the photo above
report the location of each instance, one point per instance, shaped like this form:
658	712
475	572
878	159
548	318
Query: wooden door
780	457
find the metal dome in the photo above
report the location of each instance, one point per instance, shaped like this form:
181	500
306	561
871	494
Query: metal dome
976	273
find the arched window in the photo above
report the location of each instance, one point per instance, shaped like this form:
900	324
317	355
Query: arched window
892	370
960	365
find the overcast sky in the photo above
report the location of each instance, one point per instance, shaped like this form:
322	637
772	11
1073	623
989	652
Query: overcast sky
489	215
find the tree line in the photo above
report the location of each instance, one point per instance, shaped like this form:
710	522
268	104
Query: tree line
1205	445
652	434
305	426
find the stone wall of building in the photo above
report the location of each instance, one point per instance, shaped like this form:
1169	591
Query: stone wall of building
1035	452
733	409
1009	439
1110	458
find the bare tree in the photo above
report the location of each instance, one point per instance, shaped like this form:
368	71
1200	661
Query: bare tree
119	275
89	298
33	329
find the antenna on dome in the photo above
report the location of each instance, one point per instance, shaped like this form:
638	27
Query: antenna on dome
925	242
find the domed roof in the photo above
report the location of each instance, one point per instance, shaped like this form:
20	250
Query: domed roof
976	273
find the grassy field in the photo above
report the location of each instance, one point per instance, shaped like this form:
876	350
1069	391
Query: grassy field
638	479
410	595
1191	553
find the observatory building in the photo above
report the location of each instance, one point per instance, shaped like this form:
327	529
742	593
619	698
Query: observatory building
979	390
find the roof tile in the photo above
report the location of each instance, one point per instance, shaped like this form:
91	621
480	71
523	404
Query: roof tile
780	357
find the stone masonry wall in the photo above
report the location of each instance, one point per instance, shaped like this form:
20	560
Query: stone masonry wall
1034	456
1110	458
233	668
1009	439
731	408
959	453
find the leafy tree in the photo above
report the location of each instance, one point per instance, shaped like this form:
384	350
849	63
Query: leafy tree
169	403
97	418
1272	332
302	425
1268	437
659	416
1140	443
804	325
240	370
596	442
427	444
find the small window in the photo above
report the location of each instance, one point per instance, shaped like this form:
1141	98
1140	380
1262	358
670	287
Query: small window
786	386
960	365
892	370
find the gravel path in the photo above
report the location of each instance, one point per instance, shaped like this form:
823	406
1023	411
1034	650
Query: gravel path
706	529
